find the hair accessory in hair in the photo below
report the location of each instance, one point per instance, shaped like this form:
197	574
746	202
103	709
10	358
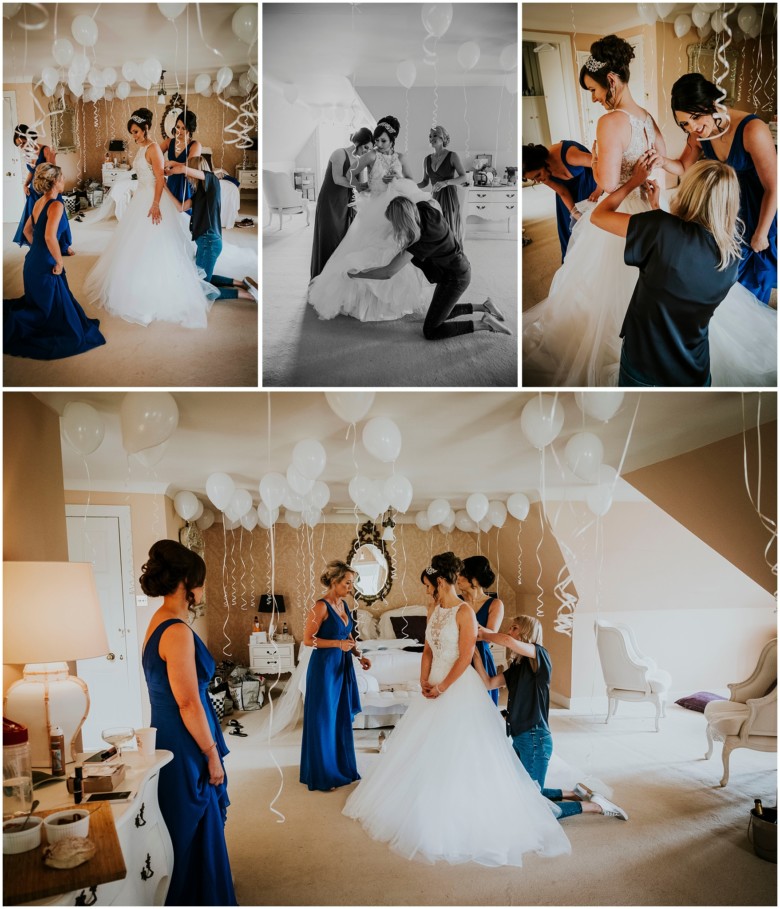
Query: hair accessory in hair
593	65
140	120
430	570
386	126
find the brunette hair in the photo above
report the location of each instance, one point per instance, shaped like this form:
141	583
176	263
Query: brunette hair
170	564
477	568
381	129
402	213
335	571
445	565
46	175
362	137
534	157
143	114
695	95
189	120
616	53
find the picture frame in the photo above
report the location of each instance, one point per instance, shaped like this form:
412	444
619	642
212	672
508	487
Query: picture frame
482	160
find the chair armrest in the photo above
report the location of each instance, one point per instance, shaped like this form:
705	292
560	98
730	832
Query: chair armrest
762	719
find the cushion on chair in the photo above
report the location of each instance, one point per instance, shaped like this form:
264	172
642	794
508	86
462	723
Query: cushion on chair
726	717
660	681
699	700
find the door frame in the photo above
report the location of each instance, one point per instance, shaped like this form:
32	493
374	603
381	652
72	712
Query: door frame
16	158
569	76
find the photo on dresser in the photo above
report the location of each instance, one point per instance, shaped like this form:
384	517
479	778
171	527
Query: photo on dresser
649	195
390	188
130	143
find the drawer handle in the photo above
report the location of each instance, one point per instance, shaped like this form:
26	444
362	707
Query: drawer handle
481	195
510	207
481	207
140	821
146	871
83	900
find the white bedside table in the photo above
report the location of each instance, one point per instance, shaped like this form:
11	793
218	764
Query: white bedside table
494	203
111	174
272	657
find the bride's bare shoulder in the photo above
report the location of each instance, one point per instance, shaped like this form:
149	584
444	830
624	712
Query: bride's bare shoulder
612	125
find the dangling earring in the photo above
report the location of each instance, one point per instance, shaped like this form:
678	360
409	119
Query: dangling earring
718	121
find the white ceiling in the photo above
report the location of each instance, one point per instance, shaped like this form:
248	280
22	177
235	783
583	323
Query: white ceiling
454	443
303	42
129	31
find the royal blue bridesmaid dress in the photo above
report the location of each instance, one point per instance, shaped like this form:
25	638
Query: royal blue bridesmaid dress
331	703
178	184
757	271
484	646
194	811
30	200
580	185
47	323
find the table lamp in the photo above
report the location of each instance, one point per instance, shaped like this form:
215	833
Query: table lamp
51	614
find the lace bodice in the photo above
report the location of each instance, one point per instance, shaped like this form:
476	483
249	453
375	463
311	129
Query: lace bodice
642	138
383	164
142	167
443	636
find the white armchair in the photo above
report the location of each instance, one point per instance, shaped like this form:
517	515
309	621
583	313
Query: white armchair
749	718
280	197
628	673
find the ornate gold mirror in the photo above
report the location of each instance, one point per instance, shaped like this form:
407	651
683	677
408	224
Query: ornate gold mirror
372	564
191	537
170	115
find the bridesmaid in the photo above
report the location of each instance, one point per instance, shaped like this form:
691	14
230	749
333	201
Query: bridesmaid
333	215
332	700
746	145
444	171
566	168
47	323
475	575
25	138
181	147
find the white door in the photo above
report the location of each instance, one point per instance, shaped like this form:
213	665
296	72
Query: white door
535	122
102	538
554	92
591	110
13	195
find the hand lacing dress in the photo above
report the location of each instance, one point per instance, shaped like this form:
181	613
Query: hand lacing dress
449	787
369	243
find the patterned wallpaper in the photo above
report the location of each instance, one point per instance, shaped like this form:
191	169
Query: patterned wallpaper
240	567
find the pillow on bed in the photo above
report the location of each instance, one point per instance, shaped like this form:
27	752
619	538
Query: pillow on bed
366	625
410	626
699	700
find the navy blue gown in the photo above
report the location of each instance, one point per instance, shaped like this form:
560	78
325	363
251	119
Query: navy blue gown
757	271
332	701
30	200
580	185
47	323
483	646
178	184
194	811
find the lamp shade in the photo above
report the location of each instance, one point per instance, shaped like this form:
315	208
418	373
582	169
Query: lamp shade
51	612
265	603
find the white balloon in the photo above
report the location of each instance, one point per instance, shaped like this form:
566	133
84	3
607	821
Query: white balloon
95	76
48	91
244	23
293	518
202	82
79	66
518	505
50	77
84	30
382	439
351	406
406	73
109	75
249	520
273	488
601	405
477	506
320	494
463	522
220	488
252	73
230	523
682	25
421	520
10	10
186	504
359	488
497	513
147	418
599	499
399	492
468	55
206	519
485	524
606	476
448	525
370	505
705	30
198	511
699	15
297	482
240	502
130	71
436	18
718	21
75	87
542	420
584	453
208	92
122	90
508	57
747	18
709	7
647	13
292	500
171	10
663	9
309	458
61	50
311	516
152	69
83	427
149	457
224	78
438	511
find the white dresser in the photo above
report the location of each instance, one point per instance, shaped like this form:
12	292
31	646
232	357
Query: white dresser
272	657
493	203
247	178
111	174
143	836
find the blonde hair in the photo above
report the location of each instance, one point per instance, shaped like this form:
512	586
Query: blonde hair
46	175
334	572
709	195
530	628
403	215
197	162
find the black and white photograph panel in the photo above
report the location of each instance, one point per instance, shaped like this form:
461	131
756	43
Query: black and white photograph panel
130	140
390	189
649	194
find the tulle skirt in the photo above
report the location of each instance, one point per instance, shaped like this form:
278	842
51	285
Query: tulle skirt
451	788
147	272
369	243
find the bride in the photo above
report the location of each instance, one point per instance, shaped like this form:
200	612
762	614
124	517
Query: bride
449	758
147	272
369	243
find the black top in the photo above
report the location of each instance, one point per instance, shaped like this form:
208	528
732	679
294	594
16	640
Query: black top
437	244
206	207
529	692
665	330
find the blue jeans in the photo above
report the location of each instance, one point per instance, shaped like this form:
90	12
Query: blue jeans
534	747
209	248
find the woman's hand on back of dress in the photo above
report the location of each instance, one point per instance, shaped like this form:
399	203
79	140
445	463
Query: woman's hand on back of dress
653	193
642	170
594	196
174	167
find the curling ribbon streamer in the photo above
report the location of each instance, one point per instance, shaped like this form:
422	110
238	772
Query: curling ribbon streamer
722	59
767	522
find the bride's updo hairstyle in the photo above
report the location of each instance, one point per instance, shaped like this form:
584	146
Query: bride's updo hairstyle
445	565
615	54
389	127
477	568
534	158
46	175
168	565
142	118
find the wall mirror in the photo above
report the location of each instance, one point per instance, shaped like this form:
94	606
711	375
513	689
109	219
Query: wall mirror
371	561
170	116
701	59
62	126
191	537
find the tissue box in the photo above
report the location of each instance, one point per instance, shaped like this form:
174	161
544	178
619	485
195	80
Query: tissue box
105	783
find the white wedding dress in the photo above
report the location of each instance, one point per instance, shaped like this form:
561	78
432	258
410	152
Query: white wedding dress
573	337
369	243
450	787
147	272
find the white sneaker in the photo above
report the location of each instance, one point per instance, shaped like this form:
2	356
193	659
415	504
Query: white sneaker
609	809
583	792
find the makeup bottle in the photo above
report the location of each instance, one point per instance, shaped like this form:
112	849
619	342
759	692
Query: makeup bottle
78	784
57	748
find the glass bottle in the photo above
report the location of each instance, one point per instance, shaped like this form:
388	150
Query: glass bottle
17	768
759	809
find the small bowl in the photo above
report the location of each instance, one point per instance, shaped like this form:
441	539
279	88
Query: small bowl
60	825
17	840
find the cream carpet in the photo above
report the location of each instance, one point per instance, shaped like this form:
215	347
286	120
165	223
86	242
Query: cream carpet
301	350
685	842
163	354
